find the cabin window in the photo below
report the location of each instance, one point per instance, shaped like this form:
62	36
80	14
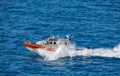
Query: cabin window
50	42
65	43
54	42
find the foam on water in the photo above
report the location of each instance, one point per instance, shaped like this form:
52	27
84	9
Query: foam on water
70	51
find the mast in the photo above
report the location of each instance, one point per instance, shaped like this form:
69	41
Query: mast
51	33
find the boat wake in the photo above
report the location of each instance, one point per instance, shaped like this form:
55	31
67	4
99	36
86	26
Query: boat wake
70	51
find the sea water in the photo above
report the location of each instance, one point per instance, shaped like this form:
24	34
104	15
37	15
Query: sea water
93	23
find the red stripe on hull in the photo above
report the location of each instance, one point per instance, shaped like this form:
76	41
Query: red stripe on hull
36	46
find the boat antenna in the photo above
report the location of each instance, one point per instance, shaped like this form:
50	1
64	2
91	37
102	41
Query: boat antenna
58	34
51	33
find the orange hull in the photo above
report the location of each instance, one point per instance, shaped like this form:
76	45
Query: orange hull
36	46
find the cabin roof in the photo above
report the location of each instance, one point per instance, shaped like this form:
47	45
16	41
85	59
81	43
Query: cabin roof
52	39
57	39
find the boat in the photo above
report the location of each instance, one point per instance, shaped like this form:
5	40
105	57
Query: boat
49	44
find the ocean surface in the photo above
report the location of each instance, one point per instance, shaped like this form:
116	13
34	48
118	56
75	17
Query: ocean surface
94	23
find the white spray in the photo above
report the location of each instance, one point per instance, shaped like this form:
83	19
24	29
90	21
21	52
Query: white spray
70	51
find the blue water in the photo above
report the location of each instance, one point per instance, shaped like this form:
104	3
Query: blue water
94	23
